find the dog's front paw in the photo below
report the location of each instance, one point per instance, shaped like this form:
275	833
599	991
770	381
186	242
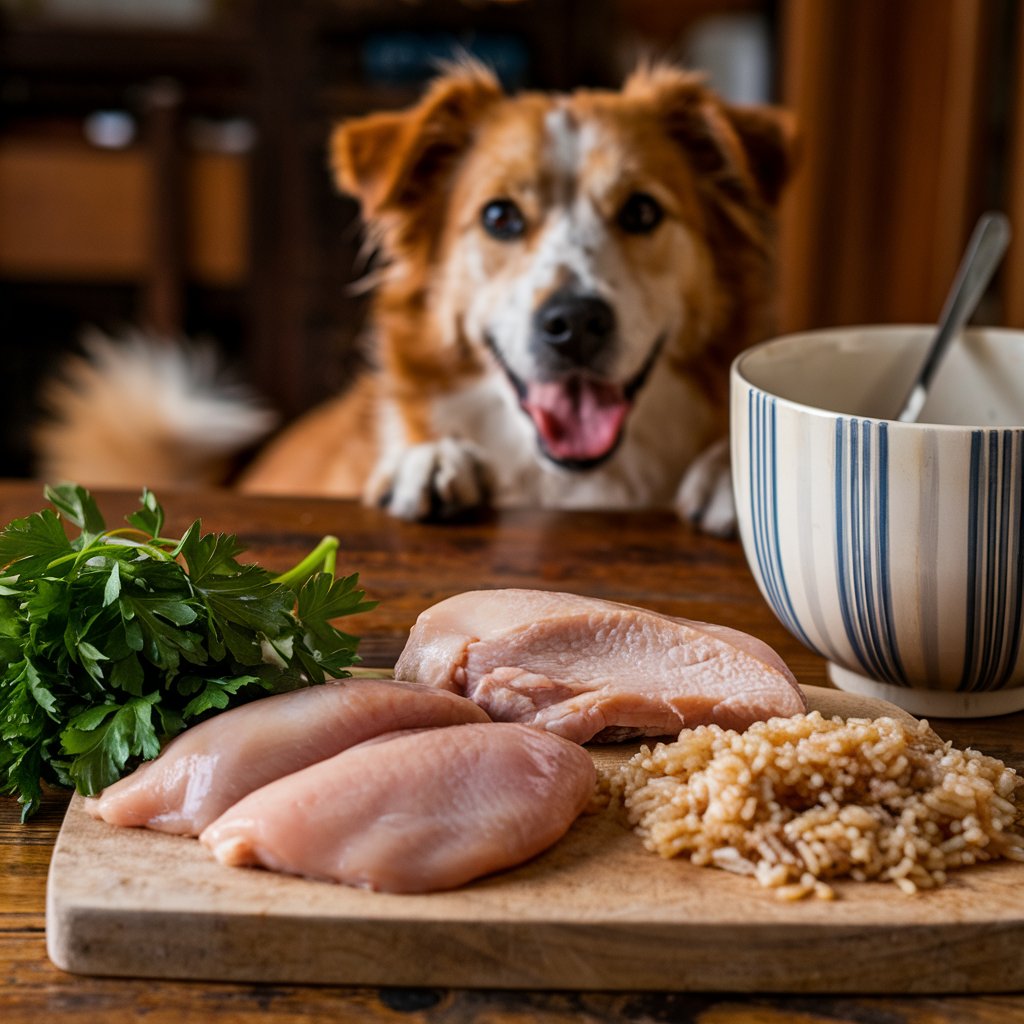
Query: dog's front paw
433	480
705	496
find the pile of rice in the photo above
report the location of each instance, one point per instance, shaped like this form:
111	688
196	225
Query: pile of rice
795	801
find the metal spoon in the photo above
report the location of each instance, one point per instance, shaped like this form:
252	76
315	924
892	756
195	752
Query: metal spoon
984	251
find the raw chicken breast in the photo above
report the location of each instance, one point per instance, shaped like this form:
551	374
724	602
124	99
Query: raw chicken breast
586	668
207	768
417	812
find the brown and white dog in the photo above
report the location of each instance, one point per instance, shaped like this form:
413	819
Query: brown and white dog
564	282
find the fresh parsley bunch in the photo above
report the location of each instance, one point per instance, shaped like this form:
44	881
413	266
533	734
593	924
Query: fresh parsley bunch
113	641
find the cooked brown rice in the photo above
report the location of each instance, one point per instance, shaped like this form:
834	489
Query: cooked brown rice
796	801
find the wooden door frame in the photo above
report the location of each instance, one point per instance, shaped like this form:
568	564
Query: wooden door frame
891	99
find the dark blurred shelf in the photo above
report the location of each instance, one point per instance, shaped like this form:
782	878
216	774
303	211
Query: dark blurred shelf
61	47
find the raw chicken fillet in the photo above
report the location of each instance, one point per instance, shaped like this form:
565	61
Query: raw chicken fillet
212	765
417	812
585	668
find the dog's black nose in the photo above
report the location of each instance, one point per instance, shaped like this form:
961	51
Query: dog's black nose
575	326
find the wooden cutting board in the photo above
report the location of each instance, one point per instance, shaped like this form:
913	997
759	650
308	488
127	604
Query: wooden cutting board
596	911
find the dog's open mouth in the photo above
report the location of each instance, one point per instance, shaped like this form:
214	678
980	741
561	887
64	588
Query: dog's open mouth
579	418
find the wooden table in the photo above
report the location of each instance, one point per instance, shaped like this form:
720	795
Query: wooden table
647	559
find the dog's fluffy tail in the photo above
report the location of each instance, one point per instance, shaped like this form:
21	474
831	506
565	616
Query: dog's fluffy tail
144	411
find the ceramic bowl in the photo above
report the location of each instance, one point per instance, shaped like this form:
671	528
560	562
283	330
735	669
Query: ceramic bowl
893	550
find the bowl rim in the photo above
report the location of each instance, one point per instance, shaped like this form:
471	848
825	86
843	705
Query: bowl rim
737	375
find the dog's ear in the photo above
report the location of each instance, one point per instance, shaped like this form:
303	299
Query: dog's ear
361	152
769	137
746	152
393	160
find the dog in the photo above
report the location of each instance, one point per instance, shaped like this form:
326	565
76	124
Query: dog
562	283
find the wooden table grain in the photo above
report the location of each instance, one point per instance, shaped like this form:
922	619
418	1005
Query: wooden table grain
644	558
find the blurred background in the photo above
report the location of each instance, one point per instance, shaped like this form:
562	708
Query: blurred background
162	162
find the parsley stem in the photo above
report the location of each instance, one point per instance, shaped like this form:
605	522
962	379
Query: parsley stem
322	558
95	549
147	540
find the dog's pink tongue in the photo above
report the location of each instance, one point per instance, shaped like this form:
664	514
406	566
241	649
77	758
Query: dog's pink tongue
578	418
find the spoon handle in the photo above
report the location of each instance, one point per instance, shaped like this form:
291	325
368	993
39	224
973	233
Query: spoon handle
984	251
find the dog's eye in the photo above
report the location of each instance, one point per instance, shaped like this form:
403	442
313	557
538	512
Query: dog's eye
503	220
640	214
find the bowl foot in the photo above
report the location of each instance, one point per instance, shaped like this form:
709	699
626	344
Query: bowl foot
930	703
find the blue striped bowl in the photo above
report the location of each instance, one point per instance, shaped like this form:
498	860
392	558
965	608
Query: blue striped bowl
893	550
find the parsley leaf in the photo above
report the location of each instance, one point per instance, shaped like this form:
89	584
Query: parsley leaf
114	640
33	543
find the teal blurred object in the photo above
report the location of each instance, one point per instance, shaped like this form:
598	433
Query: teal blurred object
402	57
